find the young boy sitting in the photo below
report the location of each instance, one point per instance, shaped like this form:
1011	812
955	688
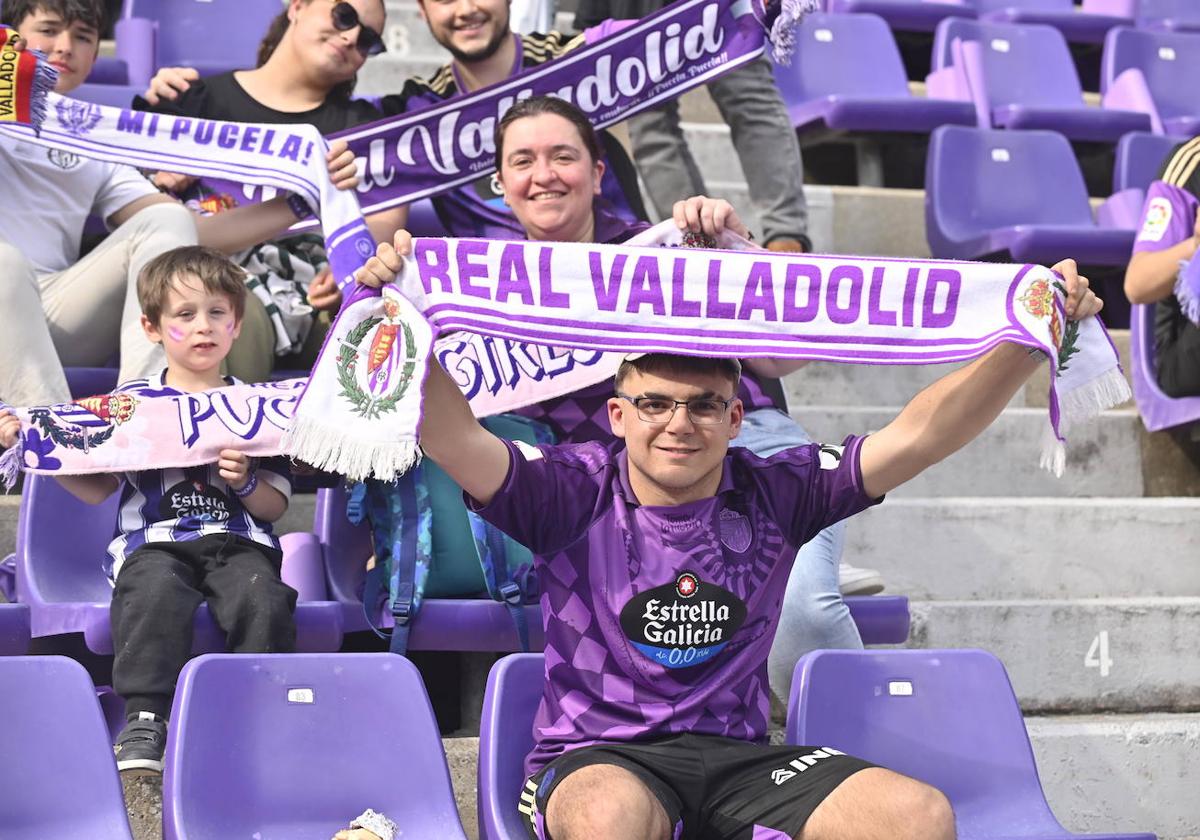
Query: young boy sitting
193	534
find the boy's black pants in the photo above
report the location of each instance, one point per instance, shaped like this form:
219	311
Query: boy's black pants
157	591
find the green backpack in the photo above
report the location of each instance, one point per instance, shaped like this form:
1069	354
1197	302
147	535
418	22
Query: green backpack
428	544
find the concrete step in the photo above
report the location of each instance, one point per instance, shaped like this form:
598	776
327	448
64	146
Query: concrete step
1127	773
961	549
1078	656
1103	456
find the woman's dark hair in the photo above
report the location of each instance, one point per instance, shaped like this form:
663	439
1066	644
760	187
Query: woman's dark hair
270	41
535	106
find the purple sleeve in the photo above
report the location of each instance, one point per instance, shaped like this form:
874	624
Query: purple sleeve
826	486
602	30
1168	217
549	498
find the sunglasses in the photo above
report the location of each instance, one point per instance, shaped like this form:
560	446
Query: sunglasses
345	18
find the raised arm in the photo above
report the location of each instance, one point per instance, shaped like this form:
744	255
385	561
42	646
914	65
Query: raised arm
953	411
1151	275
476	459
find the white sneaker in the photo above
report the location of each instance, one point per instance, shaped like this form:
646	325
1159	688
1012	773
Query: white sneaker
855	581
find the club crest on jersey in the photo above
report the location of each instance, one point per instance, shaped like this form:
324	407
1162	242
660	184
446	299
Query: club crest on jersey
683	623
736	533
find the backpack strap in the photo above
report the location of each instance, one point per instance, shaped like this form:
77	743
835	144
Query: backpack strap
492	549
400	514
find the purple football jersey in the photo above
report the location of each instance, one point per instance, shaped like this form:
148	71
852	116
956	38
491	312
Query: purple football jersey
659	619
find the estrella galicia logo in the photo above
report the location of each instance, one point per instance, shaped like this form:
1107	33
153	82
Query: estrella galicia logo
683	623
194	500
76	117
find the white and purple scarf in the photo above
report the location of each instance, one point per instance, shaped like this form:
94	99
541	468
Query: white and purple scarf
361	411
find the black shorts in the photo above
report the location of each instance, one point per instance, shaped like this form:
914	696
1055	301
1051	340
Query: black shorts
718	788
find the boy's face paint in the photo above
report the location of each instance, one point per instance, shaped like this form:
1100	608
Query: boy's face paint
196	328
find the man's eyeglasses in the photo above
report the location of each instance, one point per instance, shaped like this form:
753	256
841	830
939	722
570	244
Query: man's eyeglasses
703	411
345	18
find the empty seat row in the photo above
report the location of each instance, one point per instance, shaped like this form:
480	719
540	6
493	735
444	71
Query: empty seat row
295	745
1088	24
990	75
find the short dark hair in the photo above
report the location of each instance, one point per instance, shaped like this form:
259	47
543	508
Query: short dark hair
670	363
535	106
213	269
90	12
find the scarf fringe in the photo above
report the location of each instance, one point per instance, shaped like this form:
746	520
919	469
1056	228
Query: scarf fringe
783	29
326	447
10	465
44	80
1187	291
1106	391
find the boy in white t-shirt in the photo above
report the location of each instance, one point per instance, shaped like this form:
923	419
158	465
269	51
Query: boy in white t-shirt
55	308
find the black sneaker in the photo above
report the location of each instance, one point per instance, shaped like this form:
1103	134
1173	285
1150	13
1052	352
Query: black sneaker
140	746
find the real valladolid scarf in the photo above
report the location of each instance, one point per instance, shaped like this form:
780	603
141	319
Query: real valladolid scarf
361	410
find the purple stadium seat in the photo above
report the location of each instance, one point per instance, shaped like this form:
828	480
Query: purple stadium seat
1145	71
60	546
829	86
191	33
108	71
1021	76
14	629
1157	409
989	194
478	624
59	778
113	95
1178	15
904	15
1077	26
510	701
946	717
87	382
297	745
1140	156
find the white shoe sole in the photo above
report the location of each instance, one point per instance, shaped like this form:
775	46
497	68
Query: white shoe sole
136	768
862	585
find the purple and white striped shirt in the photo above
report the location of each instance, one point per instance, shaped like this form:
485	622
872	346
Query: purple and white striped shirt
181	504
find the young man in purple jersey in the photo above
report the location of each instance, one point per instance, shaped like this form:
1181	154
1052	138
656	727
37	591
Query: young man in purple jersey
663	566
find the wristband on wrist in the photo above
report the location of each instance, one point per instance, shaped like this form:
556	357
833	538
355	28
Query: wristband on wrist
299	207
250	487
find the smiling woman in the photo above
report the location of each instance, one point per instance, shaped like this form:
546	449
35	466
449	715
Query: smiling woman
307	65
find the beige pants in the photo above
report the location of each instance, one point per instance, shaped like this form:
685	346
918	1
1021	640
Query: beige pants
84	315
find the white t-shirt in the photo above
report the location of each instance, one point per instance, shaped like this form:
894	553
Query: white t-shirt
48	195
